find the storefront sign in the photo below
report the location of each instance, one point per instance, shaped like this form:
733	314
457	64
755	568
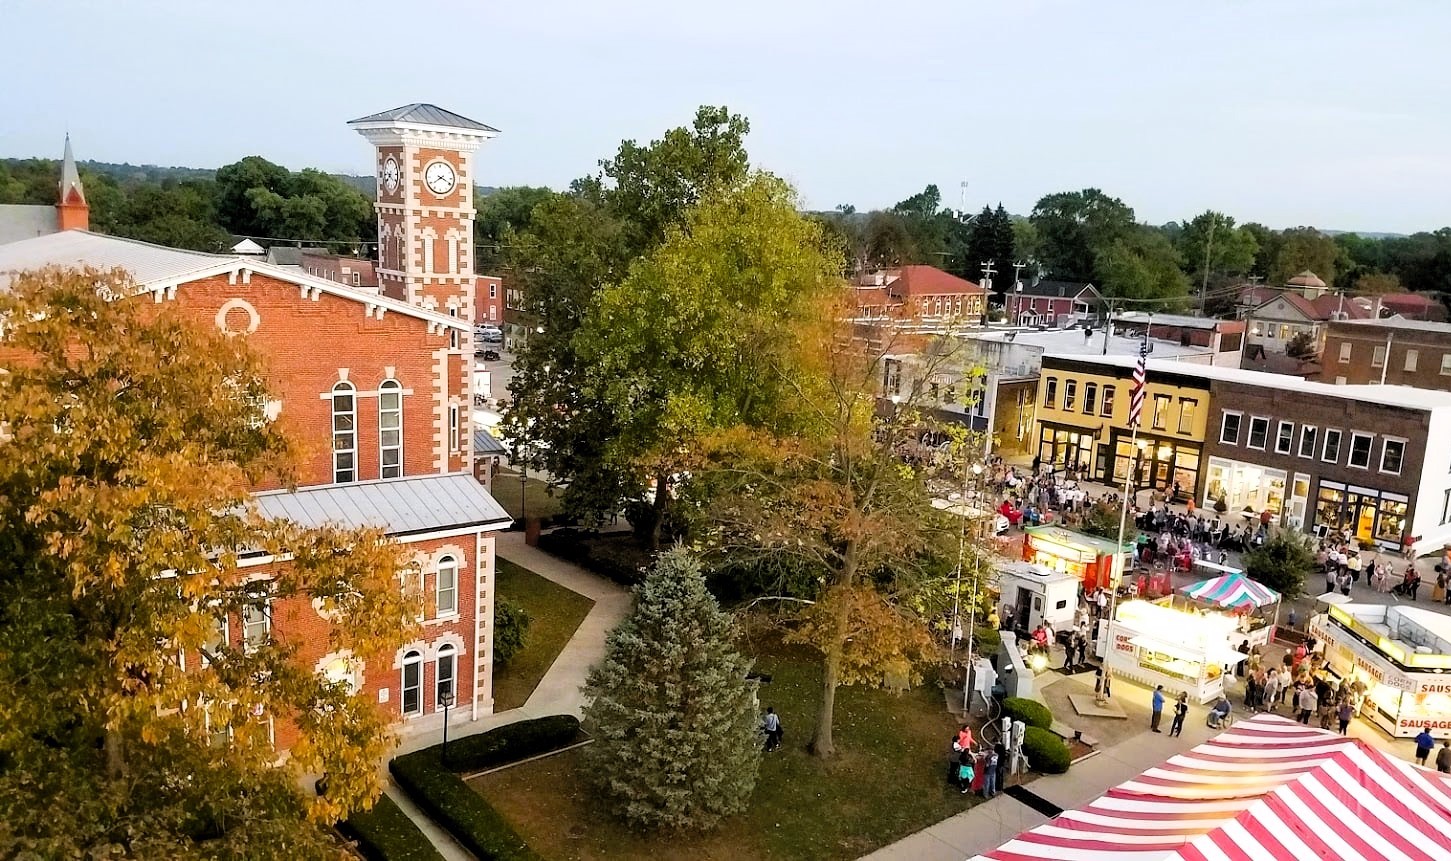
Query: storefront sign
1365	662
1121	643
1410	723
1430	685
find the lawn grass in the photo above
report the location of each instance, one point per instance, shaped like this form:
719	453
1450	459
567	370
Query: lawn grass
555	613
538	502
888	781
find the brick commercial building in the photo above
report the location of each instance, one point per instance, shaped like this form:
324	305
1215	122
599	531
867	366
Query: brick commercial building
1369	461
376	390
1393	350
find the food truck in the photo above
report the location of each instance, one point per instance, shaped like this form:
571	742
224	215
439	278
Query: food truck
1156	644
1032	594
1403	657
1096	562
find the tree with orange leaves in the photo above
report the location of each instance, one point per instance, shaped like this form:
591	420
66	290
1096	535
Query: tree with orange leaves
128	441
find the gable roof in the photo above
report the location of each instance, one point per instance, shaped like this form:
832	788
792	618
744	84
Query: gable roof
485	443
402	506
423	114
1329	306
1053	289
156	268
920	280
1306	308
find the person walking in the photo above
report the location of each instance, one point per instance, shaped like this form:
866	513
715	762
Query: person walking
1344	714
1443	757
771	726
1424	744
1181	711
1158	705
1270	698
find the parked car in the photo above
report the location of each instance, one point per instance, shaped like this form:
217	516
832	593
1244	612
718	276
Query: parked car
490	334
487	355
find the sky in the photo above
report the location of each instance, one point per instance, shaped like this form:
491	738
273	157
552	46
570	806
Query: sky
1320	112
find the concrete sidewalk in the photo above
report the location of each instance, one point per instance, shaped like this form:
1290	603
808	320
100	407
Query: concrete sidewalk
999	819
558	692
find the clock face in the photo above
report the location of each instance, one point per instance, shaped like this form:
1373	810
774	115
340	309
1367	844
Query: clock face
439	177
390	174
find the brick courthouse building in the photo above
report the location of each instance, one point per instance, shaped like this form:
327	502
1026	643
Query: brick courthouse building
376	389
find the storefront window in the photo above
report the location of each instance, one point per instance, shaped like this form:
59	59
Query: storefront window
1392	523
1329	506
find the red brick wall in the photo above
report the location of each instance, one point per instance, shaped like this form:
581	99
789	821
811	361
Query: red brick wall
489	309
307	342
296	621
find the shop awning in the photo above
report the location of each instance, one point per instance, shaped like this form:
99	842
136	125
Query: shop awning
1266	788
1232	591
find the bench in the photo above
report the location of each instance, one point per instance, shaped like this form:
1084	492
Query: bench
1066	732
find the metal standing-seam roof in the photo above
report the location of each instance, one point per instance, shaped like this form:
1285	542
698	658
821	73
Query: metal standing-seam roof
145	262
402	506
420	113
485	443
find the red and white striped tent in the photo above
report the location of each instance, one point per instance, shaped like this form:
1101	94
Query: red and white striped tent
1266	789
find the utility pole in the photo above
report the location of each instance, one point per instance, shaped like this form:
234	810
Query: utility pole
1018	267
987	275
1204	285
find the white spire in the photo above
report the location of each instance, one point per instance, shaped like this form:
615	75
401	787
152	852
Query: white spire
70	177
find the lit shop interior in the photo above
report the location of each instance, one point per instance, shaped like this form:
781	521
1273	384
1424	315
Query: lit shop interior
1156	644
1401	654
1362	512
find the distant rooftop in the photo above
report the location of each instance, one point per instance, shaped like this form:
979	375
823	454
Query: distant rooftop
423	114
24	221
1396	396
1400	323
1183	321
1071	342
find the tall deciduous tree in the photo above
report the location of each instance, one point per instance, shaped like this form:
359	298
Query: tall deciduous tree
1141	264
577	244
1299	249
128	728
1075	227
687	342
675	719
497	215
843	499
1211	244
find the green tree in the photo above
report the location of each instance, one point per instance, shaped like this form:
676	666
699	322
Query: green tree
576	245
1210	244
675	719
991	238
234	182
1142	264
511	625
127	728
1282	563
888	240
1299	249
500	213
1076	228
687	342
1377	282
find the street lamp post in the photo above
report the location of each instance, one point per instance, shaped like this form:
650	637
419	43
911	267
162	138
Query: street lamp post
445	700
972	599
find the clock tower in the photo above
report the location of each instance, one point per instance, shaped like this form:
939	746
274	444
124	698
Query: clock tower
425	169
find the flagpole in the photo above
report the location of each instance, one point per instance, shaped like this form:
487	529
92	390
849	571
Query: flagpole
1102	695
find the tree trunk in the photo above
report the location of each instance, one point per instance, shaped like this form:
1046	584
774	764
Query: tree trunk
115	754
662	499
822	743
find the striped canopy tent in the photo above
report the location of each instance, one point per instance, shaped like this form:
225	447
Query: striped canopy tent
1233	592
1267	789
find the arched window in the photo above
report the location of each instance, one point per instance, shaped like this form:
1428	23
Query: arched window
444	673
453	333
345	433
413	683
446	586
390	429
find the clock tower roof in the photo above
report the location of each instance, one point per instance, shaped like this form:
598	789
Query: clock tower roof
422	114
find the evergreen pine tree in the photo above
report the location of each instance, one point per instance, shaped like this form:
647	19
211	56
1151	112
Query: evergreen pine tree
674	717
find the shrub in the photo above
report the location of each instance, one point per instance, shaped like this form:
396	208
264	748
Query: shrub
616	558
511	624
1046	752
472	821
1030	712
512	742
385	833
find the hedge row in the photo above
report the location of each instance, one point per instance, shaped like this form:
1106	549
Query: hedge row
385	833
1030	712
450	802
614	558
472	821
1046	752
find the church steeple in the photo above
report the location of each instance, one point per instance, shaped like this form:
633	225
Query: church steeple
72	211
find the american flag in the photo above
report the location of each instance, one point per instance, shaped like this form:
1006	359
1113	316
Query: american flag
1136	400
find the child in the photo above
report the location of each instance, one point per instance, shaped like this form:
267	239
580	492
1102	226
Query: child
965	771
